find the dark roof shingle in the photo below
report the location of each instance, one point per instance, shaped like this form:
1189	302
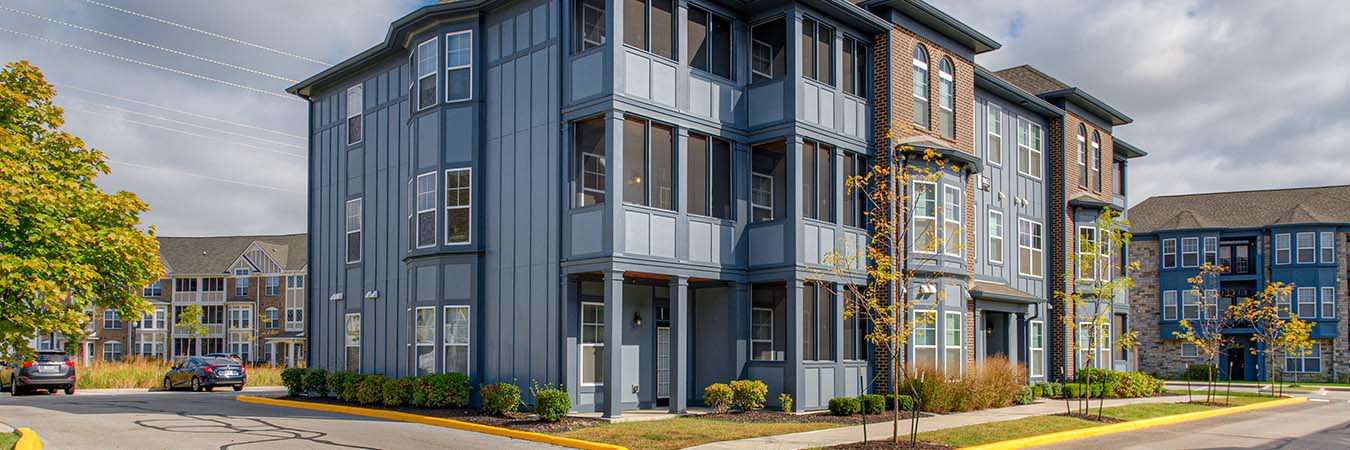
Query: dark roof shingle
1032	80
215	254
1242	209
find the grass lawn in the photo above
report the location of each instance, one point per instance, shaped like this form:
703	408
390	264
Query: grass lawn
1286	383
7	440
681	432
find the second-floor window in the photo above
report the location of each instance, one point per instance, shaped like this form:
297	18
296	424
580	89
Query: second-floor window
426	74
1088	246
1307	303
995	237
994	130
1169	305
354	113
947	98
156	320
272	285
925	217
1030	253
648	163
240	282
353	227
953	234
1118	177
1190	252
459	66
458	206
185	285
1327	247
855	198
650	25
709	176
768	41
589	29
110	321
1211	250
1282	251
155	289
214	284
768	178
855	67
817	181
1169	253
1082	157
817	51
709	42
920	91
1029	141
270	317
1096	161
241	317
1306	252
1328	303
423	214
589	162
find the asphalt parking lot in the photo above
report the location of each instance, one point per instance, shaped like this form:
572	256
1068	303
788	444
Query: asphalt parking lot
215	420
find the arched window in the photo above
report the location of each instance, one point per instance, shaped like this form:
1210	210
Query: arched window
270	317
920	87
1082	157
1096	161
946	99
112	351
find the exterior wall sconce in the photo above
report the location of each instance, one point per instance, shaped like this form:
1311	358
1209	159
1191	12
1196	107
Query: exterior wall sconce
637	320
335	297
372	295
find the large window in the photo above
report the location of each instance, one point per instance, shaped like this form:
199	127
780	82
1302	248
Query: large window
767	57
185	285
112	351
1030	253
953	234
155	289
271	318
589	30
946	98
426	74
354	112
425	339
855	330
925	338
1169	305
241	345
352	341
589	161
1096	161
648	156
1309	363
295	303
1190	252
1169	253
817	51
1190	304
1036	340
709	176
156	320
920	90
458	206
855	198
459	66
1088	247
424	212
924	229
817	181
952	337
1082	157
241	317
241	282
650	25
1029	141
272	286
1328	303
354	218
151	344
993	124
709	42
817	323
1306	247
1211	250
995	247
855	67
592	343
110	320
1282	254
1327	247
457	339
1307	303
768	318
768	180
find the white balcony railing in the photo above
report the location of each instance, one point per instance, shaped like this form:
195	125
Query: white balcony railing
212	330
199	297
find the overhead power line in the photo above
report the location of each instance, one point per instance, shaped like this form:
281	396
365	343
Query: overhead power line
208	33
189	133
147	44
61	86
151	65
207	177
193	125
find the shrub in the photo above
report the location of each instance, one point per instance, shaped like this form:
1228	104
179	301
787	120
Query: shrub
439	390
550	403
1055	390
872	403
315	382
719	397
396	391
1076	390
749	394
993	384
1026	396
906	402
785	401
340	385
844	406
370	389
500	398
294	380
1200	372
1134	384
1038	389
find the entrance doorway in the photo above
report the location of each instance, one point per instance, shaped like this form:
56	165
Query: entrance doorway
1237	367
996	334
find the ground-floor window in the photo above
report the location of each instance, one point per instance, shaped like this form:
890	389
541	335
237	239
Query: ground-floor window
112	351
1037	346
1309	363
151	344
426	339
925	339
213	345
184	346
592	359
1189	350
952	337
241	344
1099	349
855	334
817	323
352	340
768	316
457	339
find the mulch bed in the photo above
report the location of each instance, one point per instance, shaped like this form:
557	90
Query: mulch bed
516	421
763	416
888	445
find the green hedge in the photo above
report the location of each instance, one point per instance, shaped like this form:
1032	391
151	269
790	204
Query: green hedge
551	403
872	403
906	402
718	397
844	406
439	390
749	394
500	398
1117	384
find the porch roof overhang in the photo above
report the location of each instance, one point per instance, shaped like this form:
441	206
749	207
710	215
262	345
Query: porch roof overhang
917	145
1000	292
1084	200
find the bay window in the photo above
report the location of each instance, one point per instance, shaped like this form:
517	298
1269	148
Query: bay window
953	234
458	206
426	74
925	217
1190	252
1282	253
456	337
1169	305
425	339
424	216
1169	253
1306	244
925	339
588	31
1327	246
459	66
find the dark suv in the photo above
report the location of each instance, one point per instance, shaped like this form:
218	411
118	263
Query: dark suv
51	370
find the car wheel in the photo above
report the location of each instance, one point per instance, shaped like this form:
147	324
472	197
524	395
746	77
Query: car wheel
168	385
70	390
14	388
238	387
196	384
209	388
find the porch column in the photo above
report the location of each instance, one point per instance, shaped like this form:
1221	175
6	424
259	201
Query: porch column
290	354
793	383
679	344
570	336
614	326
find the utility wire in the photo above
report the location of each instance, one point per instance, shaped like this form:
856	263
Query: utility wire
146	44
206	177
208	33
151	65
176	111
189	124
189	133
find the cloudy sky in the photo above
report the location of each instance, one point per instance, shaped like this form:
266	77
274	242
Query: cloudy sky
186	97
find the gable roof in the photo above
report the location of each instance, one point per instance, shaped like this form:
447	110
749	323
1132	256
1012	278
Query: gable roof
215	254
1242	209
986	80
940	21
1048	87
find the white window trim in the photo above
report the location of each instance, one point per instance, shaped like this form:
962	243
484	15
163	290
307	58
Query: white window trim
1170	301
999	235
1085	256
756	206
1037	327
1172	253
1191	298
417	97
914	227
1307	301
914	333
271	318
1209	253
960	344
1095	170
1211	305
1303	359
1193	353
959	221
1034	136
1184	252
1328	302
585	156
449	208
1287	248
360	225
754	43
418	211
419	344
993	128
240	317
1298	247
358	91
581	362
769	341
121	350
1326	240
1040	253
449	68
1082	157
347	345
446	344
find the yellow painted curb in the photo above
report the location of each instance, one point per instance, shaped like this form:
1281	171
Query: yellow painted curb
1069	435
28	440
435	421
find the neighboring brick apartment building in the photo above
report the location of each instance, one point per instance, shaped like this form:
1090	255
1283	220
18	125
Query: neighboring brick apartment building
251	290
1294	236
578	191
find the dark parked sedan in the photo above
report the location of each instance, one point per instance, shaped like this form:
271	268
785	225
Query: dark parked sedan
202	373
50	371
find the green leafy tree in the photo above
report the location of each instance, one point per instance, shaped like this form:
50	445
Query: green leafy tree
190	319
1207	332
65	244
1273	326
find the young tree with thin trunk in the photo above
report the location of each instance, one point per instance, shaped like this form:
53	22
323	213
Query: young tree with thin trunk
1206	332
1268	315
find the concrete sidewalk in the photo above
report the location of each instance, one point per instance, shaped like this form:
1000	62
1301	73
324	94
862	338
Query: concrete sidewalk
836	436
